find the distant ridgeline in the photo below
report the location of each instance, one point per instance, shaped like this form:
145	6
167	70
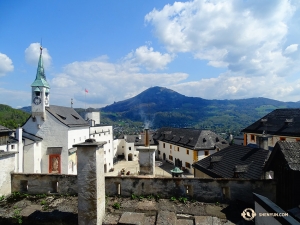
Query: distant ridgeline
12	118
157	107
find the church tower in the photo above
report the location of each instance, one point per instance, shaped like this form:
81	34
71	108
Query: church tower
40	91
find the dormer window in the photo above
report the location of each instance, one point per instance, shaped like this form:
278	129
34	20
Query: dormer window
62	117
76	118
240	169
288	121
37	91
214	160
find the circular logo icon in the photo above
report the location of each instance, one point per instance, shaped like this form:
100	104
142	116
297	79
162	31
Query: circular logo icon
248	214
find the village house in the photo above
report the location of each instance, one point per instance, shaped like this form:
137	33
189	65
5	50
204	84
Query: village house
235	161
7	142
184	146
127	145
278	125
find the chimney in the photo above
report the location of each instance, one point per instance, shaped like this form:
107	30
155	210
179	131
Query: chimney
263	141
147	142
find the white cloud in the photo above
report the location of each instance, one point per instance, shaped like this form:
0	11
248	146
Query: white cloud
238	87
145	56
244	36
291	48
32	54
6	64
12	97
106	82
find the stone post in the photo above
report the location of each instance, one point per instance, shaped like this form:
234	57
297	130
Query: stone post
91	182
19	135
146	160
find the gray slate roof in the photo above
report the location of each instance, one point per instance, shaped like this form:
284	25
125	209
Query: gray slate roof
135	139
289	151
190	138
31	136
246	161
4	129
285	122
67	116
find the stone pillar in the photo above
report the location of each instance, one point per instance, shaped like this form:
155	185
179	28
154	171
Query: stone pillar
147	160
19	134
91	182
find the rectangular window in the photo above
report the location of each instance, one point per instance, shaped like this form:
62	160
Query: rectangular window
158	152
164	145
129	148
206	153
171	157
187	152
177	149
187	165
54	163
170	146
282	138
12	147
252	137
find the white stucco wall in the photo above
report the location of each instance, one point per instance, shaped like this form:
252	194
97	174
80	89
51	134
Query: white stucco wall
121	147
7	163
77	135
105	133
181	154
28	156
3	147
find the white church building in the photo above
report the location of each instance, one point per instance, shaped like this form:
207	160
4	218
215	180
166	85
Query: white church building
51	131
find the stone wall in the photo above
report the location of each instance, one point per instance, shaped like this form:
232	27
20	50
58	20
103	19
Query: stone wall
205	189
44	183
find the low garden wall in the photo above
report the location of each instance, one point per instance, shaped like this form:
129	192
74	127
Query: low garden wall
203	189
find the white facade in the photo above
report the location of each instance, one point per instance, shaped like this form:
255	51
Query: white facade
171	152
128	148
55	135
105	133
7	162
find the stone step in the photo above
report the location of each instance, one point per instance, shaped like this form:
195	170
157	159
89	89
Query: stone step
166	218
132	218
207	220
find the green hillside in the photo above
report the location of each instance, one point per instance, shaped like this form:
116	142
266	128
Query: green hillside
11	118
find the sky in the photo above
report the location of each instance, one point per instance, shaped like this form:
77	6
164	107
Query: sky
213	49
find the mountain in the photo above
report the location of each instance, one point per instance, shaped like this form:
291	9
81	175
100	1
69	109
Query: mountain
157	107
12	118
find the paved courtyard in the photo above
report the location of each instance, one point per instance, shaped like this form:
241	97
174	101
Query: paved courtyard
163	169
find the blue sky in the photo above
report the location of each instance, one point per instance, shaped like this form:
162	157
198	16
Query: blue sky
116	49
